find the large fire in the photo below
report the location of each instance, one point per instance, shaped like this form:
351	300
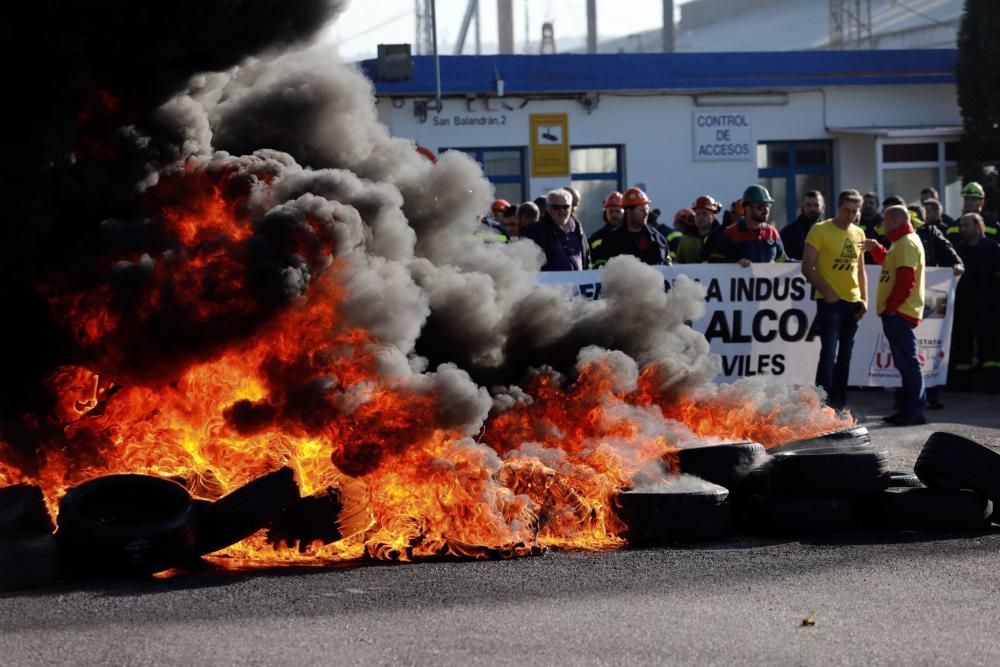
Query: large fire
302	389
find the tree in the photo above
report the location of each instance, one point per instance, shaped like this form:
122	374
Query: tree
977	74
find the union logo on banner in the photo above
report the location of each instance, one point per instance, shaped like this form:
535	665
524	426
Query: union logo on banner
929	351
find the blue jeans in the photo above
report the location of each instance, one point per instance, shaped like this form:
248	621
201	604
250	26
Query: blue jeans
903	345
837	327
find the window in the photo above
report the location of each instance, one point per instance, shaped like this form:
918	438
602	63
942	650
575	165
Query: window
505	169
595	171
907	166
789	169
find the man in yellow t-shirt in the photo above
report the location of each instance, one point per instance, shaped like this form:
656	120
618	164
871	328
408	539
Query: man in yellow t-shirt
831	262
900	301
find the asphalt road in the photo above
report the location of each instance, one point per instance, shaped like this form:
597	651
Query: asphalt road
877	598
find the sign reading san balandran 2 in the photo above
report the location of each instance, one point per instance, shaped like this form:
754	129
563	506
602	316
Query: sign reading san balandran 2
762	320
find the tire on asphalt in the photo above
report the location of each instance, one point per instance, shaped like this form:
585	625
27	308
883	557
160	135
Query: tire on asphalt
949	461
933	510
849	473
726	464
28	561
126	524
675	513
845	439
904	479
23	511
800	515
246	510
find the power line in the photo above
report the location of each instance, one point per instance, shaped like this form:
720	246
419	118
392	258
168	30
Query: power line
364	32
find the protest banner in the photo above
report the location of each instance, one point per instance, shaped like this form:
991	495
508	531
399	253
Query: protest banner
762	320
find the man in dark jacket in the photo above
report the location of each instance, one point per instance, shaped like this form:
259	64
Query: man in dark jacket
635	237
793	236
560	235
871	222
614	215
975	304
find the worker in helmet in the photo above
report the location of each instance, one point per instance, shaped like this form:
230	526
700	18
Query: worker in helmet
683	225
697	245
751	239
635	237
614	216
973	198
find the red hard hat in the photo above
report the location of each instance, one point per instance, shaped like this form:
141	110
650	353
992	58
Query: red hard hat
706	202
684	215
501	205
635	197
613	199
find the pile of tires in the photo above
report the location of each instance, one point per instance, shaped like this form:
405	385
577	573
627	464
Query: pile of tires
820	484
28	553
962	479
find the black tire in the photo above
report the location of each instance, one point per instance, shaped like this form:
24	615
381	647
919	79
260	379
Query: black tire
800	515
308	520
23	511
904	479
725	464
28	561
848	473
126	524
949	461
666	514
855	438
246	510
933	509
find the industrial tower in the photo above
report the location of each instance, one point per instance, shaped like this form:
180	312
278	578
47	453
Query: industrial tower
851	24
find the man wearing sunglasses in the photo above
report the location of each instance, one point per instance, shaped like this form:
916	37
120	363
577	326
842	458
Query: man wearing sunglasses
560	235
751	239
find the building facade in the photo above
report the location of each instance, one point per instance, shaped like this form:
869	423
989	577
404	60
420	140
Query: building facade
683	125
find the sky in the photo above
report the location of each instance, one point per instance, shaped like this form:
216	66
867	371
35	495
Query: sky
365	23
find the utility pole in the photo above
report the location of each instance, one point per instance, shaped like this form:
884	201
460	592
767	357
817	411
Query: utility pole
851	24
668	26
505	26
591	26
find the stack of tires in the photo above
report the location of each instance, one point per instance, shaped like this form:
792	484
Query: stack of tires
692	509
821	484
962	479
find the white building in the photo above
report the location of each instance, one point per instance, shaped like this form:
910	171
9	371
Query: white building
685	124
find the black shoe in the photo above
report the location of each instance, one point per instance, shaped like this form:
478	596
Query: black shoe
905	420
935	405
893	418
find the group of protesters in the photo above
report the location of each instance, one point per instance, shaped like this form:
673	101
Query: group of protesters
903	238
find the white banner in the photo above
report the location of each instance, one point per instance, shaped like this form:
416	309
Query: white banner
761	320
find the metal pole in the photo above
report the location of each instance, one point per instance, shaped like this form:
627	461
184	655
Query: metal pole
668	26
591	26
437	61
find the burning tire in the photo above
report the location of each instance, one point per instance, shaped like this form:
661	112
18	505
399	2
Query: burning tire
726	464
27	561
22	510
856	438
933	509
849	473
801	515
245	511
128	524
672	513
949	461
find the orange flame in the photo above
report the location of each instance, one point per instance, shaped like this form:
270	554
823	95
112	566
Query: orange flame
543	473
